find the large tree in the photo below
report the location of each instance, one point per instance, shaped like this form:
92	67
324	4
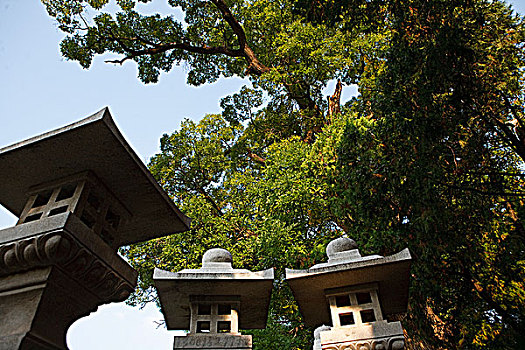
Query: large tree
430	155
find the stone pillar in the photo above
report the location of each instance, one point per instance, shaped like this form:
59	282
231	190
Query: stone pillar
213	302
353	294
52	272
80	193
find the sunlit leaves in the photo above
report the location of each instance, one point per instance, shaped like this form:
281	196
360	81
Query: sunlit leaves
429	155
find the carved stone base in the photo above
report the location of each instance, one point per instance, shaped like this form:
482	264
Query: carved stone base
38	306
51	278
380	335
213	342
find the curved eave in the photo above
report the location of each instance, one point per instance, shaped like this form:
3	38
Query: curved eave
391	273
93	144
253	290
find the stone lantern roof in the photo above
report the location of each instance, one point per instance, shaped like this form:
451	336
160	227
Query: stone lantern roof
93	145
215	280
346	267
79	192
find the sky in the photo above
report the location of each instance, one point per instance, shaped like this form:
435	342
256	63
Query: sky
40	91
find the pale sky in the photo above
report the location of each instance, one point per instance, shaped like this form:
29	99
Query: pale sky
40	91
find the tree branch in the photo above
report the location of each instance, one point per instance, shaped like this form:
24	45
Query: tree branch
254	65
510	138
161	48
334	101
298	91
210	200
256	158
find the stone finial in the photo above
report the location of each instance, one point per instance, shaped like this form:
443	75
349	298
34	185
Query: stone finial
342	250
340	245
216	255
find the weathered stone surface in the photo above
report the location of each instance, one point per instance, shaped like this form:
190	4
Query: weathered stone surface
213	302
215	342
80	192
339	245
215	278
64	241
217	255
353	293
394	343
54	276
317	336
375	335
93	144
391	273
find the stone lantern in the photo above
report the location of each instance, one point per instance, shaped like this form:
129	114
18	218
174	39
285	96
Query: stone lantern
353	294
213	302
80	192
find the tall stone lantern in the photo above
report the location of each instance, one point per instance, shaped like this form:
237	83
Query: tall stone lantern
214	302
80	192
350	297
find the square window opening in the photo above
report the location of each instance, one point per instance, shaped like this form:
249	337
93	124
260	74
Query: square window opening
346	319
342	300
368	316
112	219
363	298
203	326
66	192
33	217
87	219
58	210
204	309
42	198
94	201
223	327
224	309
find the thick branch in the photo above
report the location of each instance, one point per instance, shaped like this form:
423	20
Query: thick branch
297	91
210	200
256	158
520	229
254	66
509	137
519	129
160	48
486	296
334	101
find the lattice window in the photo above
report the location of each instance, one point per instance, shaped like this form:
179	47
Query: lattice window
214	317
85	196
354	305
50	202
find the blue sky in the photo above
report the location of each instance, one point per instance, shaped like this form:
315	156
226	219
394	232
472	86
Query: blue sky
40	91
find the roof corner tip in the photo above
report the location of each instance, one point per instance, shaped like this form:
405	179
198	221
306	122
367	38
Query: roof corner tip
187	221
403	255
106	114
157	272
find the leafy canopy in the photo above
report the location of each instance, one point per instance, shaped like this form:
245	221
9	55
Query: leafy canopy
429	155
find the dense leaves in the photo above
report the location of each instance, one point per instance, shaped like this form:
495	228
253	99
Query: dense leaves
429	155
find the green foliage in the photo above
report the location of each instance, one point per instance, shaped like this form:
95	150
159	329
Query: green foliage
430	155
